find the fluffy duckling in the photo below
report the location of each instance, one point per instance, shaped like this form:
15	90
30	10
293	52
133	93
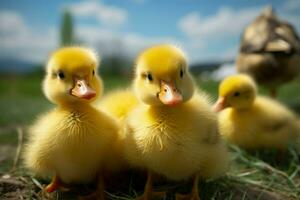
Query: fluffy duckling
119	103
73	141
173	131
252	121
269	51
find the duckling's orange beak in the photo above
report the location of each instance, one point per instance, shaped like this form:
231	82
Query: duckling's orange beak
220	104
169	94
82	89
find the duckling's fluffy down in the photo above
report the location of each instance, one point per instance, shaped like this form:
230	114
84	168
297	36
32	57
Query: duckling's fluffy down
176	142
118	103
266	124
71	144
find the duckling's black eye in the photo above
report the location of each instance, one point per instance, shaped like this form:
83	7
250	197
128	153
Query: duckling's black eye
93	72
236	94
181	73
149	77
61	75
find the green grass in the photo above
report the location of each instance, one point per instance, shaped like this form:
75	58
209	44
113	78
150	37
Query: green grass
253	175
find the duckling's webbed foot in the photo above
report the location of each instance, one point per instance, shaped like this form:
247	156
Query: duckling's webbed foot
54	185
148	191
99	193
194	195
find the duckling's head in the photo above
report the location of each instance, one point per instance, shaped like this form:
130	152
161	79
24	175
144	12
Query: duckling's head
71	76
237	91
162	76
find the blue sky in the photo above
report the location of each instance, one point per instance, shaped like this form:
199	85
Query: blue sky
206	30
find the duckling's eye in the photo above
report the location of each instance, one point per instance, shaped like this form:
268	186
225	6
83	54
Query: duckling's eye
236	94
61	75
93	72
149	77
181	73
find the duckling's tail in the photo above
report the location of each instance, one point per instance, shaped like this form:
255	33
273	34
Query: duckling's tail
118	103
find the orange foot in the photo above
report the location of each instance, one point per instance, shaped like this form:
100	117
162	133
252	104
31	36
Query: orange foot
54	185
148	191
99	194
194	195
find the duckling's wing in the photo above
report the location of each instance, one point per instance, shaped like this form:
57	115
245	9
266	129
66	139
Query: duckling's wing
275	125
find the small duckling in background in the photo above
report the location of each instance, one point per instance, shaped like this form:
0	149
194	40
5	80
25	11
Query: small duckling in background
173	131
119	103
269	51
72	142
253	122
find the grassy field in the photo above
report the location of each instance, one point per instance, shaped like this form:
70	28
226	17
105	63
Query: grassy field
253	175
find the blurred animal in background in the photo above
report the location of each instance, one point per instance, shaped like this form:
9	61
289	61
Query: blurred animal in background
172	132
251	121
73	142
269	51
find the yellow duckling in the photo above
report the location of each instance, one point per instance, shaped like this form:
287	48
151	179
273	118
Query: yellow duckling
252	121
119	103
173	132
73	141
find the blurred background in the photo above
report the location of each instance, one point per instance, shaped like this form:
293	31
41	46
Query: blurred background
118	30
208	31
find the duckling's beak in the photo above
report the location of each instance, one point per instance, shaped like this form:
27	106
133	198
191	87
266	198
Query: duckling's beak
220	104
82	89
169	94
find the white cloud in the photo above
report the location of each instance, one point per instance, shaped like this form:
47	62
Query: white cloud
18	40
110	42
223	71
10	21
108	15
225	23
21	41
